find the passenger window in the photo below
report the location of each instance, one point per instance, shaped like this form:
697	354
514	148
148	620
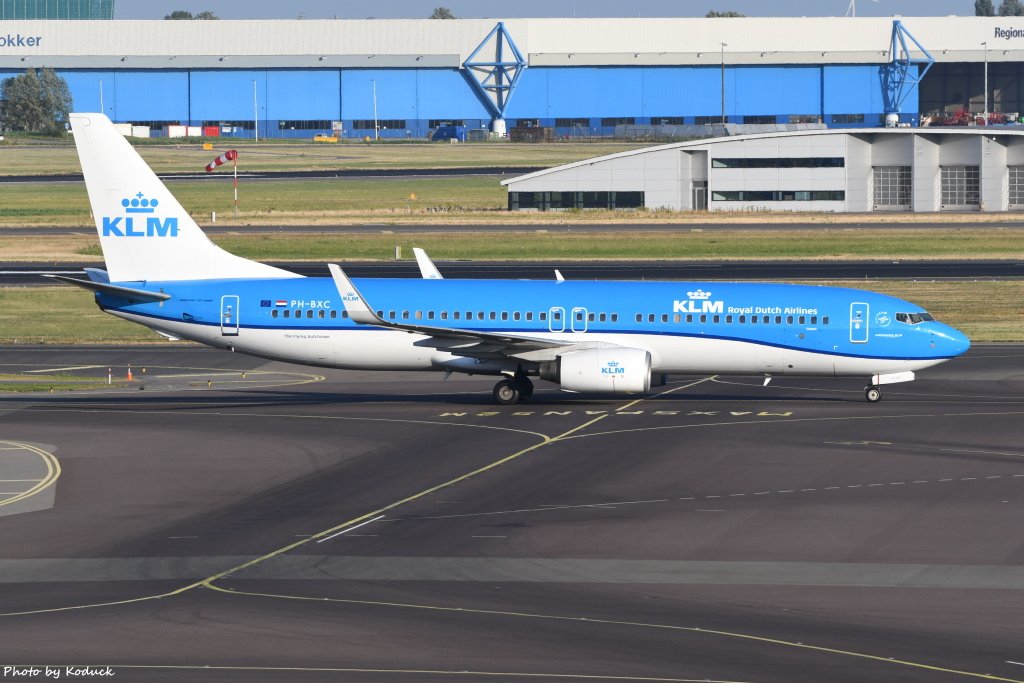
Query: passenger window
273	313
789	320
664	317
765	319
824	320
419	315
639	317
391	314
469	315
677	318
334	313
287	313
430	315
344	314
494	316
728	319
814	320
615	317
650	317
703	318
542	316
801	320
689	317
743	319
753	320
716	319
579	316
405	315
479	315
590	317
444	315
603	317
557	315
515	315
380	314
529	315
322	313
456	315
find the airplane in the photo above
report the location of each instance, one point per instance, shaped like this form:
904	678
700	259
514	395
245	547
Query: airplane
610	337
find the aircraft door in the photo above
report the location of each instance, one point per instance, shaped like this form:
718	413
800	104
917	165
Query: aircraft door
229	315
556	319
859	323
579	320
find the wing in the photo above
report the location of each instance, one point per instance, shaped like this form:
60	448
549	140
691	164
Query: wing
463	342
427	268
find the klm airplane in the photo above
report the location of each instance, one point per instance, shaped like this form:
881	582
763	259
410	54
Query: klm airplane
609	337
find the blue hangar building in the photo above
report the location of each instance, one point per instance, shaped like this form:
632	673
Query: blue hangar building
403	78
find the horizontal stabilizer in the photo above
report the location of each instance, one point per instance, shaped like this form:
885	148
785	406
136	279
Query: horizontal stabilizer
113	290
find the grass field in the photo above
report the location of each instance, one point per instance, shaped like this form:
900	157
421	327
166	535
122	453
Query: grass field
190	157
985	311
573	246
262	202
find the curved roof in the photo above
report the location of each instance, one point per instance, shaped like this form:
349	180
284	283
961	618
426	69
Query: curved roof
1016	131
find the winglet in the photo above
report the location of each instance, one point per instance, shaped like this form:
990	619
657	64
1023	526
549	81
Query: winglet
427	268
558	275
355	304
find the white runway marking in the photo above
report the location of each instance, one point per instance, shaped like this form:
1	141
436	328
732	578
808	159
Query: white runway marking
73	367
351	528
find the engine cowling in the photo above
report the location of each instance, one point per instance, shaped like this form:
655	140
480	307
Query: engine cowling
613	370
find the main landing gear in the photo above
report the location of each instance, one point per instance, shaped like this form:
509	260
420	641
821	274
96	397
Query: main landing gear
510	391
873	394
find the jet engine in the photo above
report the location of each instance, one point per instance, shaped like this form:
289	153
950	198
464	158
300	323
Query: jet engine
614	370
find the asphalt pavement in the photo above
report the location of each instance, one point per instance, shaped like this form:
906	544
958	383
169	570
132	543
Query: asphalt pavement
242	520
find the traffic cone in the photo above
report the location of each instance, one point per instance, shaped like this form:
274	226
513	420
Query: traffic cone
129	373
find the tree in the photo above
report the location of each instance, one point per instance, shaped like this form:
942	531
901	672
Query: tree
984	8
442	13
717	15
36	102
184	14
1011	8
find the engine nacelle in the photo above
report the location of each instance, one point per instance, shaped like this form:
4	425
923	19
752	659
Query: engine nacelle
613	370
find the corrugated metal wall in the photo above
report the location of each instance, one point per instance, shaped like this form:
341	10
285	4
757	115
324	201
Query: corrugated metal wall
416	97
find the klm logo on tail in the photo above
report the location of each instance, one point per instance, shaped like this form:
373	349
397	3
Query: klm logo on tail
136	208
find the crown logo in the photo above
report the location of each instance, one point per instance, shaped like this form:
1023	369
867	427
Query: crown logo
139	204
700	294
613	364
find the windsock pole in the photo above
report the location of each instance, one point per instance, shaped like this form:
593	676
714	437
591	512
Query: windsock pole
232	156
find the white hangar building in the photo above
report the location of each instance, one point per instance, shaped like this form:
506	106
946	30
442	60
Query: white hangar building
876	169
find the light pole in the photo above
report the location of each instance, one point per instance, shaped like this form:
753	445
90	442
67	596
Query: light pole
102	110
376	128
985	113
723	82
255	113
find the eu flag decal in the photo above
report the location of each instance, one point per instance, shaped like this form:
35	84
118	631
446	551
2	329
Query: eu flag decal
264	303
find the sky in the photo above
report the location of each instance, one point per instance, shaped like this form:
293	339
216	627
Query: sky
475	9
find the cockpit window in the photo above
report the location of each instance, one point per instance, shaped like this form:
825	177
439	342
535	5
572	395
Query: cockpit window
914	318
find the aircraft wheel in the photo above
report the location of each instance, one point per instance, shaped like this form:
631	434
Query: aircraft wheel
873	394
525	389
505	392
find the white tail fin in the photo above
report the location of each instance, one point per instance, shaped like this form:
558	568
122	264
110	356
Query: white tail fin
144	232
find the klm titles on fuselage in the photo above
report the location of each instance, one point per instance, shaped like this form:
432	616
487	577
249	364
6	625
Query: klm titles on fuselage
125	226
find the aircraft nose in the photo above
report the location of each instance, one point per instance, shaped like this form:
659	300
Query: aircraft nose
951	340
